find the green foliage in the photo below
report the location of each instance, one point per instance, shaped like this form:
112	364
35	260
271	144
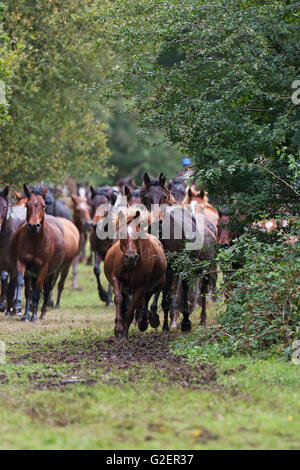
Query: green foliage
52	131
187	266
264	306
4	68
225	99
135	151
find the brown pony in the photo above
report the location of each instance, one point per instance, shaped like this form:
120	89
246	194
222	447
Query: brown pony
135	266
82	220
177	186
71	239
100	200
199	203
155	192
37	251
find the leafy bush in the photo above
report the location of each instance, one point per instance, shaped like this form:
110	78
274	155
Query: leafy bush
263	308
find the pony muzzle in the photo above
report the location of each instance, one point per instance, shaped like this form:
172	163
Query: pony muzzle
131	259
34	228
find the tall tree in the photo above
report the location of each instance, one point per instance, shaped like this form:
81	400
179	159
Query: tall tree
226	99
52	131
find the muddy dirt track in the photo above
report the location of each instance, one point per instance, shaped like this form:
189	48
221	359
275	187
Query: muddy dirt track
114	358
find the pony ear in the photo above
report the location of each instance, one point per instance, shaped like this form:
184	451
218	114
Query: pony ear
170	183
92	191
18	195
74	198
27	191
137	214
112	196
44	192
127	192
5	192
202	193
162	179
190	193
146	179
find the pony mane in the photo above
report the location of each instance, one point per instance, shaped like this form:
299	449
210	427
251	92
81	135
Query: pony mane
38	191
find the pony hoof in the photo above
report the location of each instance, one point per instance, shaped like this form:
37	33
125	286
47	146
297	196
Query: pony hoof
186	325
143	325
2	307
103	296
109	304
118	334
154	320
26	319
173	325
34	318
7	314
57	306
165	329
17	311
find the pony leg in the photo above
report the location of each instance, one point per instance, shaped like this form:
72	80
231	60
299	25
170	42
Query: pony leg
119	323
186	322
75	271
153	315
4	286
10	295
135	302
47	288
35	299
60	287
174	304
26	316
109	301
166	300
213	277
20	283
102	294
204	291
153	307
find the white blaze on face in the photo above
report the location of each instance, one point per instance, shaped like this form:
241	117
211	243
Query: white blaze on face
194	207
81	192
82	205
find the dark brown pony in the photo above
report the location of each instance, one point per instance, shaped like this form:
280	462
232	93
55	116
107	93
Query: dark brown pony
82	220
134	266
37	251
101	199
155	192
177	186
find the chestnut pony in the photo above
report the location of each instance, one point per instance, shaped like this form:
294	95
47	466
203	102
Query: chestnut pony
37	251
135	265
71	240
